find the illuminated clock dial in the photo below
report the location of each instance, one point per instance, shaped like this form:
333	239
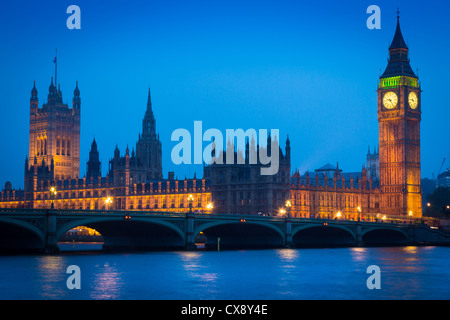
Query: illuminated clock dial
390	100
413	100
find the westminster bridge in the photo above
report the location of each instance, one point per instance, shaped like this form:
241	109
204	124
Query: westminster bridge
39	230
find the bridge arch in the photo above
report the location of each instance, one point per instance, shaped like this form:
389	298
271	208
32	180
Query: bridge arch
18	235
241	235
384	236
134	233
320	235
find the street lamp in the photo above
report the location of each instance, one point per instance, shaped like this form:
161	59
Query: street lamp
210	206
410	214
338	215
53	195
288	208
190	199
282	211
359	213
108	201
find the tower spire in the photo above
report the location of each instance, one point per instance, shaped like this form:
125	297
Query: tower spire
398	63
149	100
148	123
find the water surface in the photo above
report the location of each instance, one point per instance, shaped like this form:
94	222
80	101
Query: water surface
338	273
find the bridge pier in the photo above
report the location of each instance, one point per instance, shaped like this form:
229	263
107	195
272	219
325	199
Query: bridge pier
359	241
51	242
190	236
288	233
411	238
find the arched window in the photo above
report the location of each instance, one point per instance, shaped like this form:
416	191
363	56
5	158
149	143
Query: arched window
63	146
45	145
38	146
68	147
58	145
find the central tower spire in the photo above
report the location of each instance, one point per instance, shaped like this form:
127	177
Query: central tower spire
149	123
148	148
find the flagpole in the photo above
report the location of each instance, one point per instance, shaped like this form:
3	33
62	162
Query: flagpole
56	67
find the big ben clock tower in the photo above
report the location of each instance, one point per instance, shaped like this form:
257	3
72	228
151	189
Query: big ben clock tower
399	114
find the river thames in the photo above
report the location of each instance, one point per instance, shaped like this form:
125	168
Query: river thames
273	274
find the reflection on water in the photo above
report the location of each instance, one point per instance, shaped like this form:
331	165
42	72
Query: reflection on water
406	273
358	254
51	269
107	282
288	271
288	255
197	272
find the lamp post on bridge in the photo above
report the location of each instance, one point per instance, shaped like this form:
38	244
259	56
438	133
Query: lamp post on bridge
53	193
288	208
190	200
288	225
108	201
209	207
190	217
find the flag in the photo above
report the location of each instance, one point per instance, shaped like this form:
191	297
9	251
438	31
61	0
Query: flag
54	60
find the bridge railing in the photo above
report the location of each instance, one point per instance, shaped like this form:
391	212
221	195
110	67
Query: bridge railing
22	210
401	220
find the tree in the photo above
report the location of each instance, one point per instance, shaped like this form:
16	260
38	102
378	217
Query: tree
438	203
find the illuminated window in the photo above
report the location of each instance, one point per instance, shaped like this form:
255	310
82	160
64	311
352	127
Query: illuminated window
58	145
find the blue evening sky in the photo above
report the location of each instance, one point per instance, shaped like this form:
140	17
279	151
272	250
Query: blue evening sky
307	68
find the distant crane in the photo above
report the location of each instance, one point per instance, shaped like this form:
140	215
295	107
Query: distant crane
439	172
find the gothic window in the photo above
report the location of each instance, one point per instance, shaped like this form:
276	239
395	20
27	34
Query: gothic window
41	146
63	146
38	146
45	145
58	145
68	147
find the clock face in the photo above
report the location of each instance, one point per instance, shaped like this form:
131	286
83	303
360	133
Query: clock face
413	100
390	100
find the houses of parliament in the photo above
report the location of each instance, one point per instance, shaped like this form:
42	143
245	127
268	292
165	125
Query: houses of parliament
387	185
